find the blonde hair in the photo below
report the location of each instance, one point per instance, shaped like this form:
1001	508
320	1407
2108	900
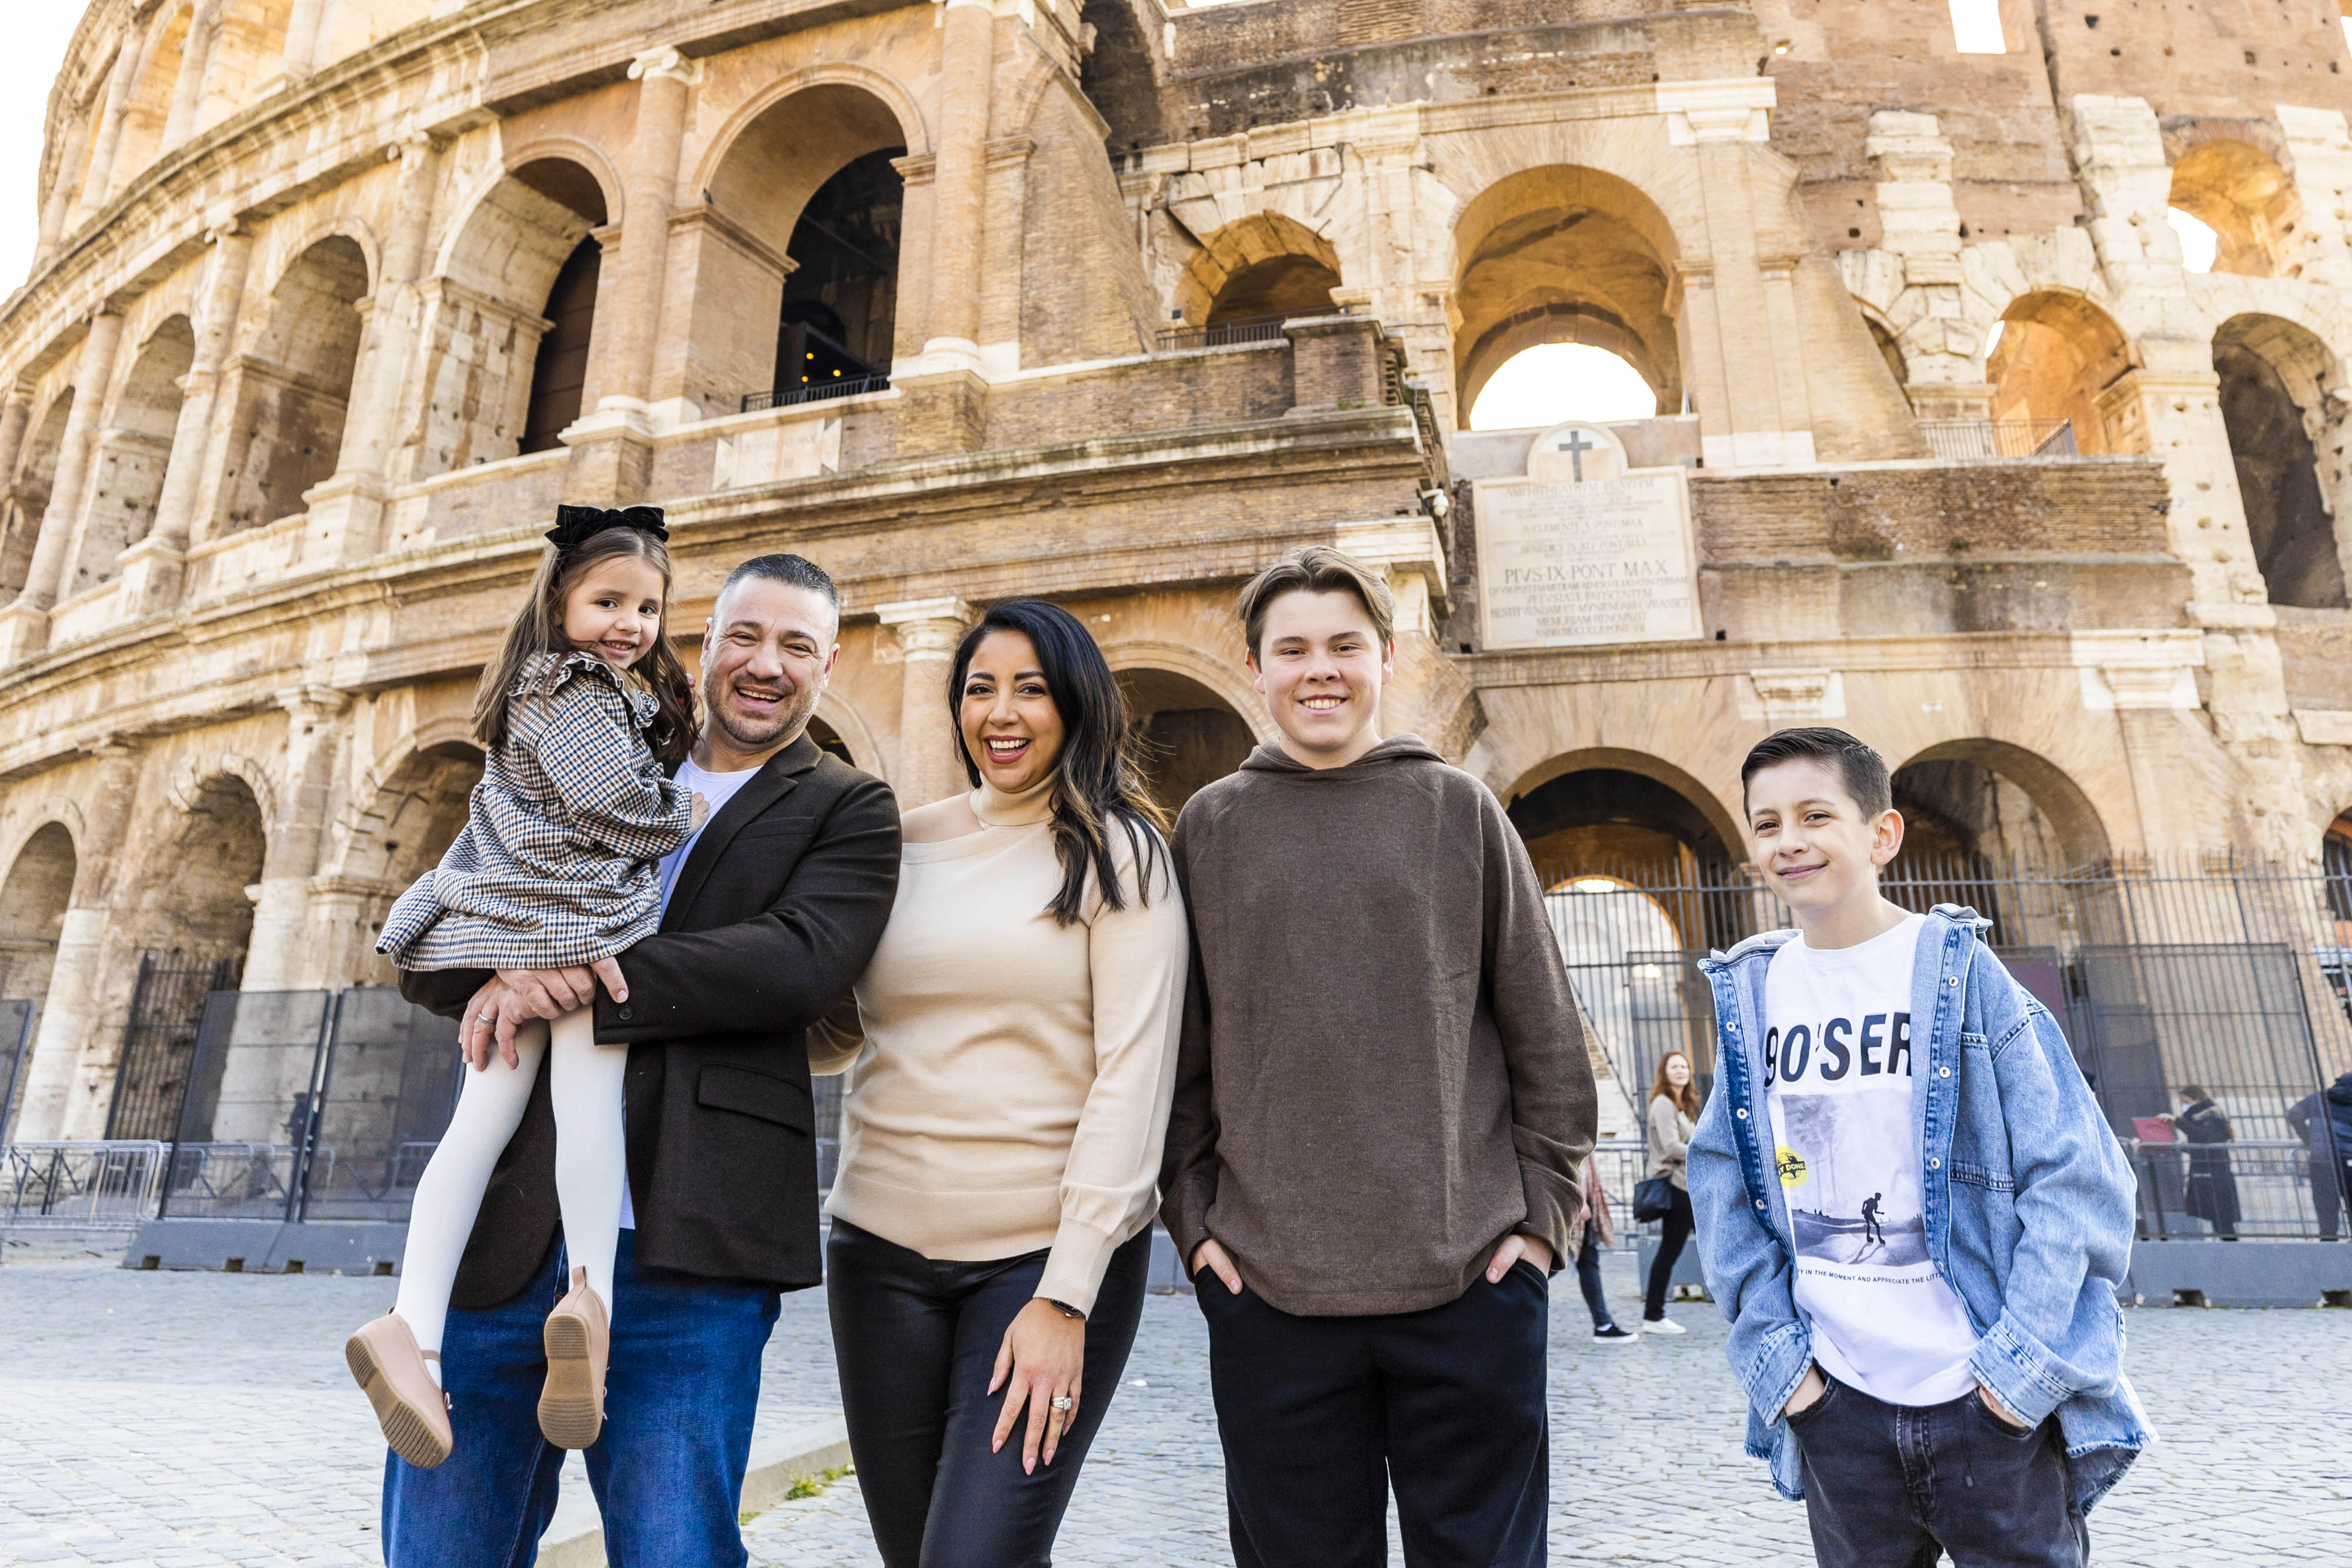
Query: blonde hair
1316	569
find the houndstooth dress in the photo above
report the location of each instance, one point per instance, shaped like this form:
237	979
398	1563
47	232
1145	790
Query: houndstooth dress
558	863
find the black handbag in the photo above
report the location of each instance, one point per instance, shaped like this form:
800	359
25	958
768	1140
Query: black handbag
1654	1198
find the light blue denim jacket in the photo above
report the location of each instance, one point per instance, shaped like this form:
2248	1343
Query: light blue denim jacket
2029	1203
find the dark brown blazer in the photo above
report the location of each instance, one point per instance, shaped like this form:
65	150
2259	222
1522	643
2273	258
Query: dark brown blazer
776	911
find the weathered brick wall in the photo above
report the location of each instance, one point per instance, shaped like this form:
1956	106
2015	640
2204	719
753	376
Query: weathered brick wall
1084	292
1214	387
2102	509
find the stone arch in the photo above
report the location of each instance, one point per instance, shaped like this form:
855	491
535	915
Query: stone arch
1228	682
192	777
28	493
149	108
128	461
1265	263
849	726
1565	254
510	314
33	904
2275	380
780	309
1715	824
1190	735
2060	357
585	155
1998	803
405	816
294	382
2237	190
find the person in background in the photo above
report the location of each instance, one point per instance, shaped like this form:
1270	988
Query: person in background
1674	1111
1596	1234
2323	1121
2212	1185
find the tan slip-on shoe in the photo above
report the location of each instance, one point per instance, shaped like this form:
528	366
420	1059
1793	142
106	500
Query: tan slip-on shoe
578	1340
409	1406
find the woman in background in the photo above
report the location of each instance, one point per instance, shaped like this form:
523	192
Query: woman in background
1674	1113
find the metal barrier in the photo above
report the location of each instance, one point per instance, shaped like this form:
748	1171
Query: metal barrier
385	1092
79	1186
2227	978
246	1117
16	1017
1991	440
818	392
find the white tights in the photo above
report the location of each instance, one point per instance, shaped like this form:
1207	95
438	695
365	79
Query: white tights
588	1165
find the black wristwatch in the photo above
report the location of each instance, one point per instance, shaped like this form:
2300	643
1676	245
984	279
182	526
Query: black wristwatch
1063	1308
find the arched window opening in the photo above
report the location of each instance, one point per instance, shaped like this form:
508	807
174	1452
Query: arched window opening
1278	285
414	817
1890	350
510	349
2241	200
2054	361
1554	383
1190	737
840	303
149	105
798	239
559	373
127	478
28	497
828	739
33	911
294	385
191	922
1259	268
2200	245
1564	255
2264	363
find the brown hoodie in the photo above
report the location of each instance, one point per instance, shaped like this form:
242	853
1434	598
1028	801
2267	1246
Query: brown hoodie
1383	1072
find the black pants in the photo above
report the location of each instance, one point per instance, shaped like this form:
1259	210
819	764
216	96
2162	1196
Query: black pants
1670	1246
2330	1179
916	1341
1587	1279
1320	1417
1892	1486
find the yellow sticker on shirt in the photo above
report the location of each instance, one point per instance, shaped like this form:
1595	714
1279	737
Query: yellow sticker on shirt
1792	1166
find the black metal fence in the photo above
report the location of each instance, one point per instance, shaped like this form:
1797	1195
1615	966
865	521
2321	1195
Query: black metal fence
1986	440
816	391
167	1005
2213	979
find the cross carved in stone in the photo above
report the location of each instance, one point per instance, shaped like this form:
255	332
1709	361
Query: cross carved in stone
1576	446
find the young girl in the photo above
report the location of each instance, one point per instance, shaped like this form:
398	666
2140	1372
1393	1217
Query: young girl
557	866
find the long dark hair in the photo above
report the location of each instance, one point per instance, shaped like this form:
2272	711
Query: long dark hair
1096	781
539	629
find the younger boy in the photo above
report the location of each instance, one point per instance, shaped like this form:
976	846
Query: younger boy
1908	1205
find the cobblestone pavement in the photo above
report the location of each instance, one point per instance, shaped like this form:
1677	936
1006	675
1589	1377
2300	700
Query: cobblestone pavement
199	1419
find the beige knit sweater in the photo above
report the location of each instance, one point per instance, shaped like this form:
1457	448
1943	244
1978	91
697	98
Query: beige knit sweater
1011	1090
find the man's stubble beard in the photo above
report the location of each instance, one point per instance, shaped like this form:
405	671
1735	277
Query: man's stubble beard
792	721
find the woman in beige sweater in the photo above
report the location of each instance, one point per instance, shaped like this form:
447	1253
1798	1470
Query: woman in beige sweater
1001	1136
1674	1111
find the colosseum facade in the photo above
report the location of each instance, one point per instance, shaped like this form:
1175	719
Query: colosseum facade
1113	300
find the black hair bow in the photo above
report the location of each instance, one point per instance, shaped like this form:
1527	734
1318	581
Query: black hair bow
574	525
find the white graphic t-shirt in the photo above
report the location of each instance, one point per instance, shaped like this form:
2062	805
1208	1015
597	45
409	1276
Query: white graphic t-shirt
716	790
1838	1065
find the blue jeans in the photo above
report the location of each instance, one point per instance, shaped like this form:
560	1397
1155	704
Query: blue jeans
668	1470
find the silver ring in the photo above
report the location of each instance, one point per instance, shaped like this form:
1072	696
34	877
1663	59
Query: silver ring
1060	1402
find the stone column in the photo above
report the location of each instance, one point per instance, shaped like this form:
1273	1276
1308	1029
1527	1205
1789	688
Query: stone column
25	624
98	183
15	415
612	447
195	70
153	568
71	1007
2319	161
274	958
63	190
943	403
347	509
928	631
302	41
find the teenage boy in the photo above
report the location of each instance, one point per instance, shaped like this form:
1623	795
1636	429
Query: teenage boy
1908	1205
1382	1106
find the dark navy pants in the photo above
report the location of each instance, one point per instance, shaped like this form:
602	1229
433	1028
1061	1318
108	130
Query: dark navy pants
1898	1486
668	1470
916	1340
1321	1416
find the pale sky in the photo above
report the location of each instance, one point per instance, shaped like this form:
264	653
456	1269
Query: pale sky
37	35
1558	381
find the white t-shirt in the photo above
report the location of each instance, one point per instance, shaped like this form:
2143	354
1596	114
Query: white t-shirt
1838	1066
716	788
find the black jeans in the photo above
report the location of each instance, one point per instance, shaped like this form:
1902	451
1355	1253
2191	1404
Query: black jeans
1678	1229
1320	1417
916	1341
1895	1486
1587	1279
